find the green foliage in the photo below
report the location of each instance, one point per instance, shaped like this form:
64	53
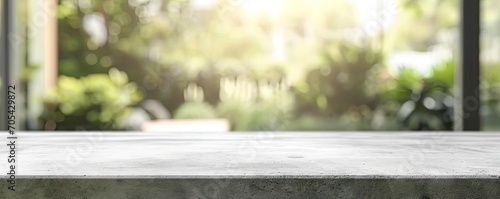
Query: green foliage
341	80
426	103
199	46
428	108
445	74
204	46
264	115
94	102
311	123
235	111
130	34
354	120
195	110
490	96
268	110
490	76
408	81
418	24
400	87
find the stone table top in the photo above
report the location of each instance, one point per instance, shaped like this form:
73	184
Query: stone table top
255	155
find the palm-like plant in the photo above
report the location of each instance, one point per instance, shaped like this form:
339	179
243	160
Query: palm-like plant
428	108
426	103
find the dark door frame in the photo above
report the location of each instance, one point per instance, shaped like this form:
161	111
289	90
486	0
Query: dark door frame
6	58
467	82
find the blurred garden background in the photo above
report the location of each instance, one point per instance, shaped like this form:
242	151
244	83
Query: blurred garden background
275	65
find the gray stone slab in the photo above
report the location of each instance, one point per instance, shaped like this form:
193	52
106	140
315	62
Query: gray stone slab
229	165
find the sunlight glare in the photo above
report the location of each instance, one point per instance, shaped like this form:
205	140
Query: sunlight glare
270	7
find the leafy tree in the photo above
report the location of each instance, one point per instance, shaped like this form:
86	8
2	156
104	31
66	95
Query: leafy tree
340	82
129	31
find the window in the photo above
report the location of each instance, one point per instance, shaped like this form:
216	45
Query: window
256	65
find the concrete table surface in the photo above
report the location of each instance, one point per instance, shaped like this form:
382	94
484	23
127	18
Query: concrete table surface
411	158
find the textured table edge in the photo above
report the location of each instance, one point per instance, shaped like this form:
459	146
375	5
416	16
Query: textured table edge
282	177
277	176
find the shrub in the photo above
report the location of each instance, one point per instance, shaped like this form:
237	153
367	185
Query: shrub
340	81
267	115
261	115
311	123
195	110
93	102
234	111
